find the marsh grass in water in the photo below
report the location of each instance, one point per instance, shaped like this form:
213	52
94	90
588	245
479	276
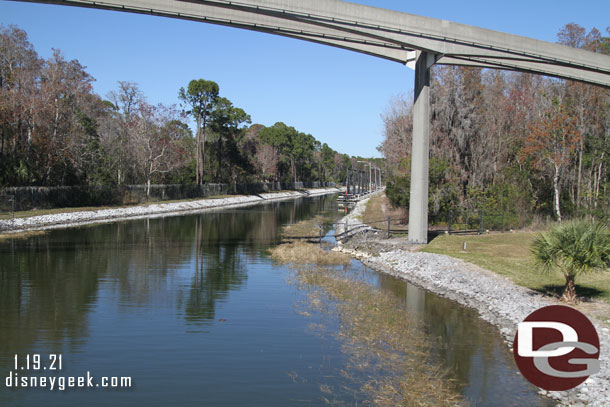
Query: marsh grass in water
301	253
20	235
306	228
389	354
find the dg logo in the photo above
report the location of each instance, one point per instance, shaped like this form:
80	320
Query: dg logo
557	348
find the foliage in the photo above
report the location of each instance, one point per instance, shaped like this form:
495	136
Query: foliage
537	145
296	149
227	126
55	131
398	185
442	190
550	143
573	248
201	96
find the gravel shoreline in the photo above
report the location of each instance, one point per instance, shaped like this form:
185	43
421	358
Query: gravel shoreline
497	299
68	219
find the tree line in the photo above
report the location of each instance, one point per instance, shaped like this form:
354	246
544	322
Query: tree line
55	131
509	141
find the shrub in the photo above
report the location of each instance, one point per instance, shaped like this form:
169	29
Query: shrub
573	248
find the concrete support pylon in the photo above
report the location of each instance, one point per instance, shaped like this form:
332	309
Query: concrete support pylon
420	151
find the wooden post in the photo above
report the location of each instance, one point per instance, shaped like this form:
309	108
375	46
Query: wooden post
388	227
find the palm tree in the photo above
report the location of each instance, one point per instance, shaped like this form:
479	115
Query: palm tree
573	248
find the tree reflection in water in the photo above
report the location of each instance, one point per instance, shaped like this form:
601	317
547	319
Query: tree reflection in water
50	282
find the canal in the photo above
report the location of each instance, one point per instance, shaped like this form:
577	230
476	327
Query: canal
195	312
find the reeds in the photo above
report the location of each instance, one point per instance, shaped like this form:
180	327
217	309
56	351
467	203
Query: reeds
305	228
389	353
301	253
20	235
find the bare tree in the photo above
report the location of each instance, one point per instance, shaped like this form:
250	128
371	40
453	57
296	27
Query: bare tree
267	158
154	146
117	128
397	129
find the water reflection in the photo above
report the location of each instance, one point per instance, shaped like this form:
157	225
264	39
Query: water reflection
218	269
121	291
467	346
48	283
43	296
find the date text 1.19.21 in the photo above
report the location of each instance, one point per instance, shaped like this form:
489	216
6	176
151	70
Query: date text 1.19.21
38	362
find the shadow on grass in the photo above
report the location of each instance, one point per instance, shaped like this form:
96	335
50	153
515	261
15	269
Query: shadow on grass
433	234
556	290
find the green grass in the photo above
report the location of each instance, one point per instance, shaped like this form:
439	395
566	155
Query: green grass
508	254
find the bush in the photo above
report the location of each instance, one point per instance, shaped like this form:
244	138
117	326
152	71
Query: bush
573	248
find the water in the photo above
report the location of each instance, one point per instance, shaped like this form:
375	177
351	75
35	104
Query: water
193	310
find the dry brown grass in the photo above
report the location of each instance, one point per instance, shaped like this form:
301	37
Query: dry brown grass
389	353
300	253
387	349
305	228
20	235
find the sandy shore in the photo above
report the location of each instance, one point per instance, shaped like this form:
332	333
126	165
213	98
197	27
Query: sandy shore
497	299
67	219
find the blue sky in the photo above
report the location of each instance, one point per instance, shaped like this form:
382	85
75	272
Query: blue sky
336	95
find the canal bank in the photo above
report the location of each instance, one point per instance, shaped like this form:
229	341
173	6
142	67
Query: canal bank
68	219
497	299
